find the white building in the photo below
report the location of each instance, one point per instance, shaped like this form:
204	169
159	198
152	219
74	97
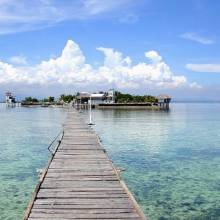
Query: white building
96	98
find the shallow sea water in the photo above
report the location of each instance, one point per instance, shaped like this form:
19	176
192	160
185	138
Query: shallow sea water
172	159
25	134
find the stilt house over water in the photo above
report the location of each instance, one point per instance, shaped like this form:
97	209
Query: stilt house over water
163	101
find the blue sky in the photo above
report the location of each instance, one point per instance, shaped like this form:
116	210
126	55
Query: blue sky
144	46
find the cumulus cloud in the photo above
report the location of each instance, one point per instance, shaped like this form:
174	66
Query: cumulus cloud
117	71
114	58
11	74
153	56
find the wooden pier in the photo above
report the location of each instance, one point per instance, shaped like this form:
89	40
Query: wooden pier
80	181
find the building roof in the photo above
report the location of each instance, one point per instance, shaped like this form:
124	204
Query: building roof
97	95
88	95
162	96
83	95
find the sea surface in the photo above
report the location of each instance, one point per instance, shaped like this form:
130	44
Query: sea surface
25	134
171	159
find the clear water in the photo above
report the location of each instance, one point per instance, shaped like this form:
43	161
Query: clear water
25	134
172	159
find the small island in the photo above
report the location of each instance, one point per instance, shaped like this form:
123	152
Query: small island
117	100
102	100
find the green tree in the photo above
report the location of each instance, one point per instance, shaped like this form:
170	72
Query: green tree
127	98
51	99
66	98
149	98
30	99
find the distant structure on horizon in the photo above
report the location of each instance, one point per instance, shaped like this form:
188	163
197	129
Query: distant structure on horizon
164	101
96	98
108	100
10	99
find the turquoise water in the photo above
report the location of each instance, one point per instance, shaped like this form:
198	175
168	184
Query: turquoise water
24	136
172	159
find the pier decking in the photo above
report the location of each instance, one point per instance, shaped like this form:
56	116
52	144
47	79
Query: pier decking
80	181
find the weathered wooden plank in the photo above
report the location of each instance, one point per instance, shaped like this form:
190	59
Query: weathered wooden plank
53	218
86	189
78	170
76	184
84	206
78	201
80	147
62	194
81	142
82	193
72	146
87	215
76	164
80	173
77	153
81	211
80	177
71	162
80	150
69	159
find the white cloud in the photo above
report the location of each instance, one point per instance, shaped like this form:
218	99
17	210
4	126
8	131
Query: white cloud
70	68
26	15
197	38
20	60
195	85
94	7
153	56
204	68
11	74
114	58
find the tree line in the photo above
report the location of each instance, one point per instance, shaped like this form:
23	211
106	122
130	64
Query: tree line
128	98
62	99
